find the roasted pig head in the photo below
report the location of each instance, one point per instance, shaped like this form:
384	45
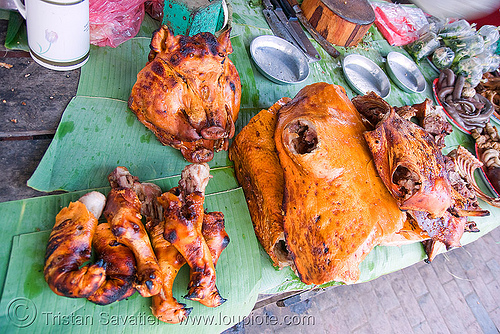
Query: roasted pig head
189	93
336	209
410	165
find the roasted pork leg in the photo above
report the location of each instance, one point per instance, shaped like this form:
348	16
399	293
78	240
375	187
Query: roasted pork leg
184	215
183	223
214	232
123	214
120	267
258	170
69	248
164	306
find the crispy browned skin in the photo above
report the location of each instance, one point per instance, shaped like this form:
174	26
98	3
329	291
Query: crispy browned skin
336	209
259	173
410	232
122	211
410	165
189	93
120	267
183	224
215	234
447	229
68	248
164	306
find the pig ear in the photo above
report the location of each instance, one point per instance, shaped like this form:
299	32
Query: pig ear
225	41
162	39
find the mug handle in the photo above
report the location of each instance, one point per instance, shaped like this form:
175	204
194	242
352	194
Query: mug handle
21	8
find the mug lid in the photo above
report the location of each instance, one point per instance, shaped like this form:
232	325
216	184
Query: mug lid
64	2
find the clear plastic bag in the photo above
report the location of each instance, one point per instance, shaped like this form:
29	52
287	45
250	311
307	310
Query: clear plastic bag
443	57
471	68
490	34
465	46
113	22
423	46
494	64
457	29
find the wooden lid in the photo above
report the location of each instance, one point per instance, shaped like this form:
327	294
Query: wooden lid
355	11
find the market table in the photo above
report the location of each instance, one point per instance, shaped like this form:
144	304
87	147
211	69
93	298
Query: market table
93	132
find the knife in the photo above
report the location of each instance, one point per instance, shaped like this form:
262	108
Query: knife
293	26
275	24
294	9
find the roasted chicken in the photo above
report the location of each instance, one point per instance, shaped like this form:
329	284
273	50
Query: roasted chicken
260	174
189	93
69	248
119	262
122	212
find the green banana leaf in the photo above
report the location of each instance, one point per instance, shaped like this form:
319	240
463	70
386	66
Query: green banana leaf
16	37
238	276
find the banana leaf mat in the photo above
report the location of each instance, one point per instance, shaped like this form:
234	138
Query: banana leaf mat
238	278
97	133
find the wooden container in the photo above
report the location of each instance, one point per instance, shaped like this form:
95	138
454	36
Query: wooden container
341	22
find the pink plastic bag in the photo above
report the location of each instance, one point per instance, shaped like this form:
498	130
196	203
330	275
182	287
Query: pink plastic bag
155	9
400	25
112	22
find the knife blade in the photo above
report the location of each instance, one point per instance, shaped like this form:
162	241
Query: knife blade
294	28
276	26
327	46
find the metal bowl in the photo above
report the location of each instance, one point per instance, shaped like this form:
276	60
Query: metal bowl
364	76
405	73
279	60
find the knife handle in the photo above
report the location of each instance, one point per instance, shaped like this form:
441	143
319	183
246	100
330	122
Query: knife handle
287	8
293	3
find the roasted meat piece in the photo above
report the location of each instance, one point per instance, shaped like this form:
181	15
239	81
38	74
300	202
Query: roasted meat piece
164	306
69	248
189	93
122	212
214	232
336	209
258	170
410	165
184	215
119	262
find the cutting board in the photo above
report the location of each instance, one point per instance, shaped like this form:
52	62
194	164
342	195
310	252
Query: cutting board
341	22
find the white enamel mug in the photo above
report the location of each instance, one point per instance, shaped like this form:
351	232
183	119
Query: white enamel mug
58	32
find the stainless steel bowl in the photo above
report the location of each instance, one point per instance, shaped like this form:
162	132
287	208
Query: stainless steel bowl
279	60
405	73
364	76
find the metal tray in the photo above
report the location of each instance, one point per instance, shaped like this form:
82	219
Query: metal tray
405	73
364	76
278	60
